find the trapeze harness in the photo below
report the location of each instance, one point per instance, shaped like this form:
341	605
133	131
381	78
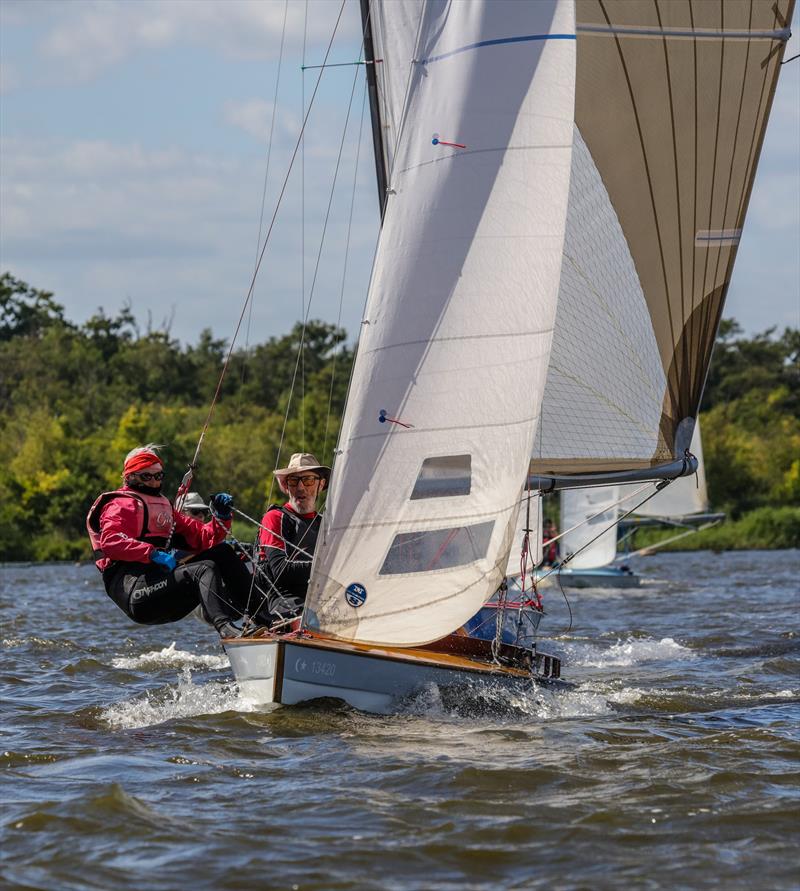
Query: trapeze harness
155	527
142	590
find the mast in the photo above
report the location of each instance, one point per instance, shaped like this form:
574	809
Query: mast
374	106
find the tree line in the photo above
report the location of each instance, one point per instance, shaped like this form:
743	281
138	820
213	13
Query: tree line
74	399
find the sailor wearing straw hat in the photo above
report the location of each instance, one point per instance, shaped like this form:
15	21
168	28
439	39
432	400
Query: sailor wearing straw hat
289	534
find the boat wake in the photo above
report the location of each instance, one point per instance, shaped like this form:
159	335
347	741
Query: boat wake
183	700
483	701
169	657
624	653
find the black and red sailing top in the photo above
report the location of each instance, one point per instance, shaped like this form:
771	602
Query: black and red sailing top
286	545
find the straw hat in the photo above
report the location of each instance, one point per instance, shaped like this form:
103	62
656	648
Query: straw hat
301	462
194	501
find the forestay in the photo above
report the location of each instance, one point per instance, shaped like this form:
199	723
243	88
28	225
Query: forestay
672	100
458	324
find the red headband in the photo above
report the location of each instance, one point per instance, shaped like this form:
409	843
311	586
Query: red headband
139	461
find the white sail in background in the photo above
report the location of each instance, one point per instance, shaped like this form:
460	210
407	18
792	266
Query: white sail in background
578	509
682	497
458	325
672	100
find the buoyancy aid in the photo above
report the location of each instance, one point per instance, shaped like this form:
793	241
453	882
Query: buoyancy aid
156	514
299	533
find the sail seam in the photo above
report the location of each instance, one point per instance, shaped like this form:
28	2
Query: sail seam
464	152
684	357
602	398
511	335
495	425
737	232
498	41
598	30
633	355
653	206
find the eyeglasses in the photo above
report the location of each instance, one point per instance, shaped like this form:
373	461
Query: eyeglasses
146	477
294	481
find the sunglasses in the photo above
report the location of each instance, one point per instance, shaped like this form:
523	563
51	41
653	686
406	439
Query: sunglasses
146	477
294	481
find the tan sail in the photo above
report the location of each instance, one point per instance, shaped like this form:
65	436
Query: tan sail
672	100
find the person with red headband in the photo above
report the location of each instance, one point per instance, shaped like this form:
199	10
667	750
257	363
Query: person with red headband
129	529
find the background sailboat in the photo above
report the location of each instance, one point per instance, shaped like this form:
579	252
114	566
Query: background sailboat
586	513
563	187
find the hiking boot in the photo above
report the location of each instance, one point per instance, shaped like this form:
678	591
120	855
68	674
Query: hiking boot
227	630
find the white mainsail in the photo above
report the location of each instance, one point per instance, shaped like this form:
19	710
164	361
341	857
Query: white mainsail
459	319
671	105
585	514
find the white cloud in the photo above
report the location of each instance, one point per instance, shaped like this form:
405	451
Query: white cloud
98	222
84	37
254	116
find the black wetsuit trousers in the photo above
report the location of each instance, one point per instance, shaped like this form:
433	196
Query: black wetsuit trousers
216	579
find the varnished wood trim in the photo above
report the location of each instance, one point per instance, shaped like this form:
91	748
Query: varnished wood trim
279	657
406	655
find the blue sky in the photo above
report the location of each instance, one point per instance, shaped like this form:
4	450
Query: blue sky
133	147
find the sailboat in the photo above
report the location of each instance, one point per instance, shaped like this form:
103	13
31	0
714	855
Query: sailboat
591	536
562	189
589	519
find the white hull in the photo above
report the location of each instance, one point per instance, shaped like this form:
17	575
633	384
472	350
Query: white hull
373	679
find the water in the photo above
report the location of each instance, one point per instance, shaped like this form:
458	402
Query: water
130	761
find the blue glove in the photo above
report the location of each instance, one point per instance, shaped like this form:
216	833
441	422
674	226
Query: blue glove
221	505
165	559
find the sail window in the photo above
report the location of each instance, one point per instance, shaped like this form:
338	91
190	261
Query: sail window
442	477
432	549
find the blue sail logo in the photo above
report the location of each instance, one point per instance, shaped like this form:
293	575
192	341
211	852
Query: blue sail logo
355	594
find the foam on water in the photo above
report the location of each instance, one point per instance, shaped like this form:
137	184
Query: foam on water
623	654
185	700
170	657
486	700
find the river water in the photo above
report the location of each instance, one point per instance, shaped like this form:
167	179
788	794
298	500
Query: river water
130	761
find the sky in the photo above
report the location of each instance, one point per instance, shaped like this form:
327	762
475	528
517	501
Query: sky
134	142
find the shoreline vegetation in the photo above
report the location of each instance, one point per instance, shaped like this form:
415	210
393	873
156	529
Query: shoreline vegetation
74	399
762	529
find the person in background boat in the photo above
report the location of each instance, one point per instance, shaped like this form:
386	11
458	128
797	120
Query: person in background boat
549	551
289	535
234	565
129	529
194	507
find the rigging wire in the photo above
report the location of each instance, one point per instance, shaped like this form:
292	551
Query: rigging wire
303	237
570	557
261	256
344	268
266	178
314	277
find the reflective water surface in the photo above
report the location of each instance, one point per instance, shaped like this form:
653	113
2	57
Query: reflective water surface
130	761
